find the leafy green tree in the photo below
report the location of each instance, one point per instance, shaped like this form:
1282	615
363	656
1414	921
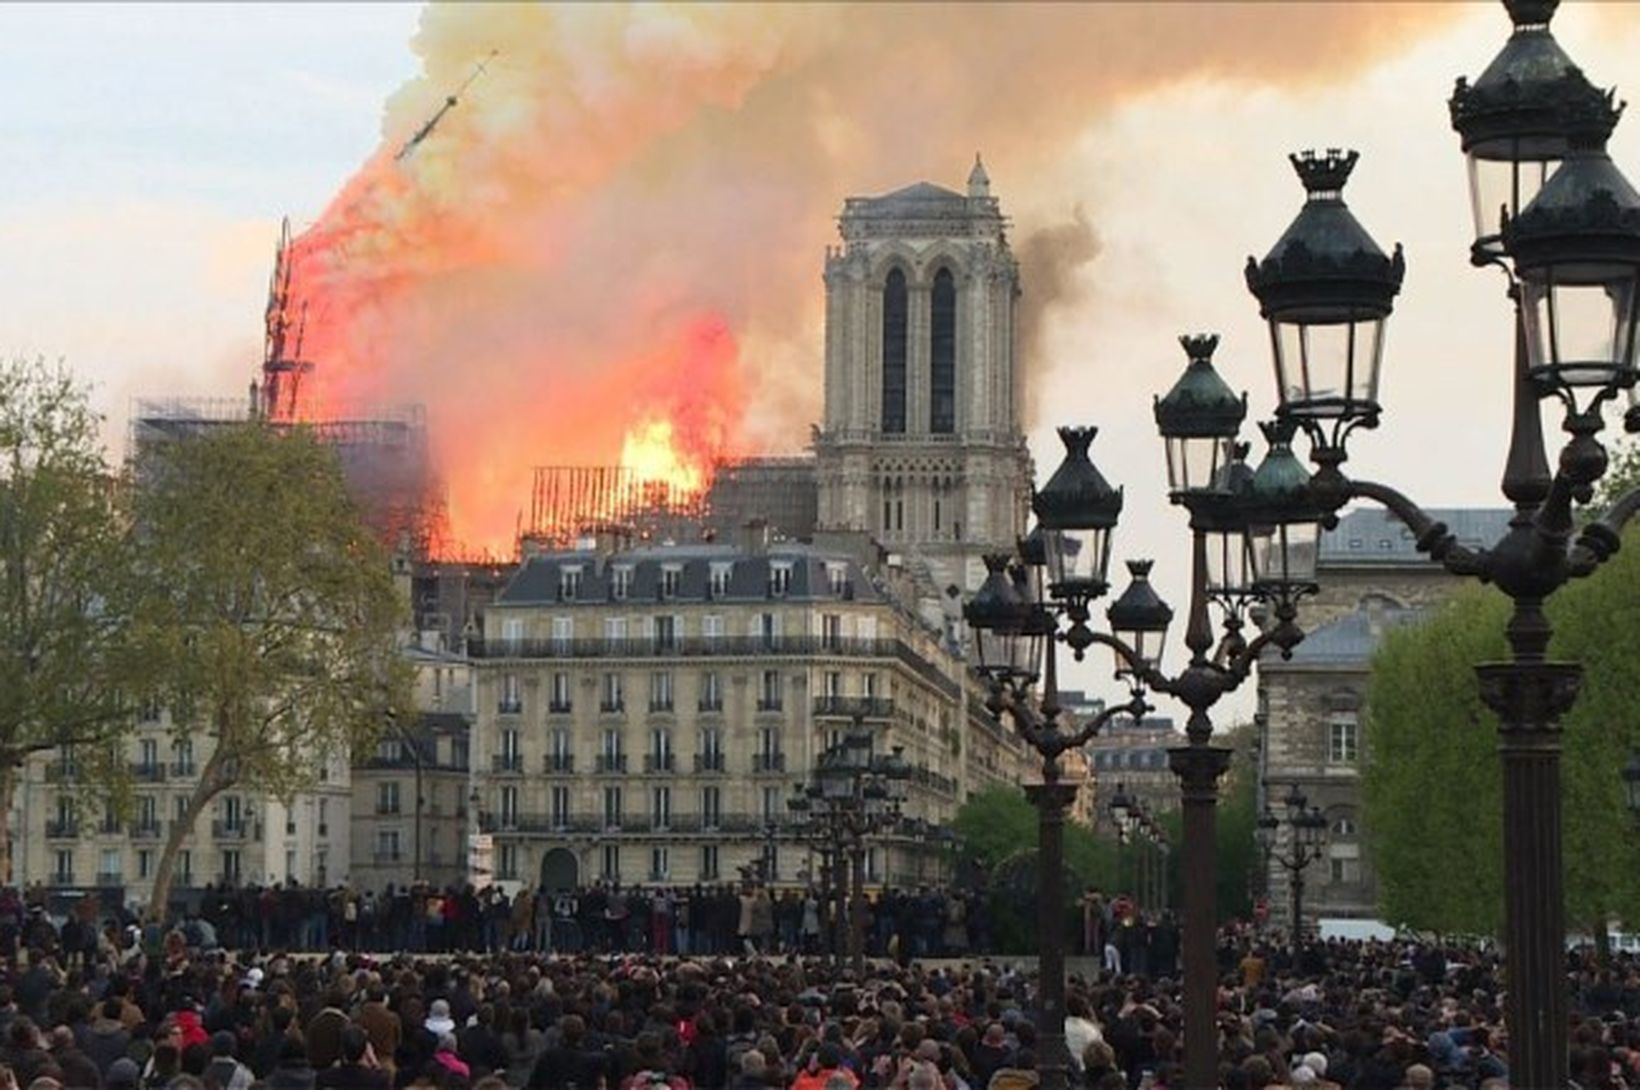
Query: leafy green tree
269	616
62	565
1432	782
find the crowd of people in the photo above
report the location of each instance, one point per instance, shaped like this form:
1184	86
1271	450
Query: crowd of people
155	1010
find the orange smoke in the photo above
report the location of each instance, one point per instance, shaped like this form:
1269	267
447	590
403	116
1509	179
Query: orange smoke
610	247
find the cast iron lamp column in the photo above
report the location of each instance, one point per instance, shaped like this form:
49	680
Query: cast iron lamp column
1568	239
1307	834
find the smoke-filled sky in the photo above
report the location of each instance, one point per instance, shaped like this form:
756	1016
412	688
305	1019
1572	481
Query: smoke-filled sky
624	219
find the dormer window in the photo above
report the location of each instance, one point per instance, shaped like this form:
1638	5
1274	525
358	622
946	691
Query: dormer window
720	576
671	580
837	579
780	579
620	582
569	583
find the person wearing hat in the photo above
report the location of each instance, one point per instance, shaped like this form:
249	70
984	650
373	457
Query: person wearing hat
123	1074
439	1021
224	1071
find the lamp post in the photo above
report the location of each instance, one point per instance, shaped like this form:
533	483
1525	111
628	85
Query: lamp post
855	793
1307	834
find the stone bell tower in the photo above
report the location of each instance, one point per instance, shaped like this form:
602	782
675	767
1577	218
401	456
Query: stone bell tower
922	444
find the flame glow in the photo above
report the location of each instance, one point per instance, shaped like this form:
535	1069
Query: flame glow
649	452
610	247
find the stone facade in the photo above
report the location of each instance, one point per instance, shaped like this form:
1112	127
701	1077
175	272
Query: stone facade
935	467
410	796
1132	757
68	835
643	713
1309	713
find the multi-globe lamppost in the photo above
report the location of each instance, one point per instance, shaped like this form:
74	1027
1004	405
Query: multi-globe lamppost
1559	219
1306	837
1137	826
856	793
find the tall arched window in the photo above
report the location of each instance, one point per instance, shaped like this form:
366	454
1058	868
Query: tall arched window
894	335
942	355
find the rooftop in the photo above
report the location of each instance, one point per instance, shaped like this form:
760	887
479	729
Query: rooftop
1350	640
1373	536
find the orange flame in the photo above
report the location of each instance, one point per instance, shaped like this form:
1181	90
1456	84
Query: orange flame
649	452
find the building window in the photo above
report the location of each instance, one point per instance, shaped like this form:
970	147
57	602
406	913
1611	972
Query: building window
611	758
110	869
613	700
324	817
561	701
711	807
780	580
660	808
569	583
666	633
511	702
185	868
837	579
868	685
506	862
387	846
612	807
290	863
560	807
720	577
509	806
620	582
1343	826
387	797
768	630
558	756
711	627
63	873
145	863
831	631
1345	871
230	866
183	758
895	312
833	684
611	871
671	580
660	864
711	693
614	632
1343	740
708	862
563	634
771	804
769	696
942	354
660	691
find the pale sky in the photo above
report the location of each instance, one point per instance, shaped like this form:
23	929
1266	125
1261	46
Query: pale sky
152	149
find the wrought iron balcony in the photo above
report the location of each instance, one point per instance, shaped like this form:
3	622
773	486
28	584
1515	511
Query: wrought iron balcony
560	707
612	707
147	771
147	829
62	829
611	762
709	762
558	763
507	762
770	704
509	707
853	707
230	830
658	762
768	762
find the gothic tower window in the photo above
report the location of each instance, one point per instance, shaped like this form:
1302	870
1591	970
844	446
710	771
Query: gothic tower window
942	354
894	341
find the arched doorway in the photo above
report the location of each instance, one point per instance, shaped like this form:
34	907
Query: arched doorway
559	870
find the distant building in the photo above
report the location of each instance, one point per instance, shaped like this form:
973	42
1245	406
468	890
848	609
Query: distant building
643	713
1132	757
1372	579
922	445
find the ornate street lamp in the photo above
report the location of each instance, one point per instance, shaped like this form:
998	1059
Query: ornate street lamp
1307	835
1077	510
1511	121
1139	618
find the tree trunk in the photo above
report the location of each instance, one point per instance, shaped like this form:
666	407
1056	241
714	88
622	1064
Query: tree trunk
1603	942
212	783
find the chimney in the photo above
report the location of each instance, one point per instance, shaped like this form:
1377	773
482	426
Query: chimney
754	537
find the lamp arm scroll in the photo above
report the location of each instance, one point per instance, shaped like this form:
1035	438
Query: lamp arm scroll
1601	538
1137	707
1432	535
1147	675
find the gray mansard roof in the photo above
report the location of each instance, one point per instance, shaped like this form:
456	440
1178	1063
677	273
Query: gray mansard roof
1373	536
538	578
1349	641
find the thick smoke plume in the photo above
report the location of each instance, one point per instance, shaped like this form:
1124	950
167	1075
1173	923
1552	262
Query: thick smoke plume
621	223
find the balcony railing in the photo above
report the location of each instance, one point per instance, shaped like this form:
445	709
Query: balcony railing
62	878
661	706
147	771
383	808
717	646
183	770
147	829
509	707
109	826
558	762
560	707
611	762
230	830
770	704
62	829
768	762
711	704
612	707
507	762
709	762
110	878
853	707
658	762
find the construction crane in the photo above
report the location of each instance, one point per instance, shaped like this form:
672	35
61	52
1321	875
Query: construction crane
449	104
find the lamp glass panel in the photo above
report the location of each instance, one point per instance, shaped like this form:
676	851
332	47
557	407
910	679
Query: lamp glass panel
1078	558
1325	364
1193	461
1230	561
1499	179
1580	321
1286	556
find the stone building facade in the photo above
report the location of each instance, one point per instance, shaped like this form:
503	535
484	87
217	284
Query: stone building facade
921	445
1132	757
411	819
68	834
1372	579
643	713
